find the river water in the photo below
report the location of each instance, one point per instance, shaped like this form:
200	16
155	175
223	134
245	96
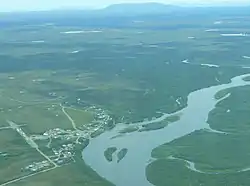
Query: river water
131	169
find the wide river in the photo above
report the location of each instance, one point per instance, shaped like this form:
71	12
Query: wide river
131	169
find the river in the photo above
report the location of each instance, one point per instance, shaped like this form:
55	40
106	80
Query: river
131	169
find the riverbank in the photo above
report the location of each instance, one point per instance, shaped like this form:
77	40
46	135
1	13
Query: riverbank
140	144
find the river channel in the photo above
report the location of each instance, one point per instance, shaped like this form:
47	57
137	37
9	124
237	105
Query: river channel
131	169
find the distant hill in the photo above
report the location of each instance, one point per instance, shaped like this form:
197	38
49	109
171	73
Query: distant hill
119	14
139	8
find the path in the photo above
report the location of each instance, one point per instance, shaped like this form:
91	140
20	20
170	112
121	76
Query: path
30	141
49	143
69	117
24	177
2	128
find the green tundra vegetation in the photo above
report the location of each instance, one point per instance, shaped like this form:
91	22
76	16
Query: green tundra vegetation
124	72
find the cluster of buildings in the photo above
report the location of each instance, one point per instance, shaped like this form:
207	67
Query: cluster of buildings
37	166
54	133
52	94
67	135
64	154
101	117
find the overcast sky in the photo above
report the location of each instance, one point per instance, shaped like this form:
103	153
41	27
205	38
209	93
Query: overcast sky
23	5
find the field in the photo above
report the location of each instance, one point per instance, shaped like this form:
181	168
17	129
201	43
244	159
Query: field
80	174
16	155
64	82
38	107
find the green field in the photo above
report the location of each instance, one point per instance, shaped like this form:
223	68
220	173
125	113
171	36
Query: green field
80	117
18	155
80	174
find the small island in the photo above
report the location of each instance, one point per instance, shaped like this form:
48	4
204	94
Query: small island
160	125
129	130
108	153
121	154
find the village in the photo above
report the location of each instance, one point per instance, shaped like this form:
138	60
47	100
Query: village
62	156
63	150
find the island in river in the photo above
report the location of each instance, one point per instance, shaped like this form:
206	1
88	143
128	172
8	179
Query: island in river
139	145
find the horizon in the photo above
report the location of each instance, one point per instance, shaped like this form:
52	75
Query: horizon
46	5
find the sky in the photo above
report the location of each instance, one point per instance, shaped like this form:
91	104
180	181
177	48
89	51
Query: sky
34	5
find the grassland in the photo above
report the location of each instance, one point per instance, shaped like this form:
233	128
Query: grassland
18	155
39	113
133	71
80	174
81	117
113	74
39	118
